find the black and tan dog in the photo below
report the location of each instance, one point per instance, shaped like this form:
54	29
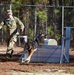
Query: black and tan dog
32	47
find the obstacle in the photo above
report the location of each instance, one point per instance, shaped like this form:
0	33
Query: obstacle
65	46
24	37
46	53
54	53
51	52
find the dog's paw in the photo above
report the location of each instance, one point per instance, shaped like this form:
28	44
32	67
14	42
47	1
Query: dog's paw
27	61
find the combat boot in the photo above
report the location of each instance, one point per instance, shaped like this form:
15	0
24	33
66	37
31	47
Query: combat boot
9	53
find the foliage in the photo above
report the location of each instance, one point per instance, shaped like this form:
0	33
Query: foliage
56	11
30	34
51	15
51	33
50	30
42	15
58	36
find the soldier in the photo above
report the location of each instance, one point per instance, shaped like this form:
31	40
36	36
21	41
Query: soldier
11	24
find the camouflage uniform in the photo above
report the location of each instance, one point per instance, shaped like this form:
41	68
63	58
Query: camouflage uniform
11	26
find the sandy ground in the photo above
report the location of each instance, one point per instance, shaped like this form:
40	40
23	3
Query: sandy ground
13	67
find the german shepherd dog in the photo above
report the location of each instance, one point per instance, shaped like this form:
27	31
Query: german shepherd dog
31	47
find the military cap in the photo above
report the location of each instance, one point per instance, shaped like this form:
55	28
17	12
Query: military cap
9	11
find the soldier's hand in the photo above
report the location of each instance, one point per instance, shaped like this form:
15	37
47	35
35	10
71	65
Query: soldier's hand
22	30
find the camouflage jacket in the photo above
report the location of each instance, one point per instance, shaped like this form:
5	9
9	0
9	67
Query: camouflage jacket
11	25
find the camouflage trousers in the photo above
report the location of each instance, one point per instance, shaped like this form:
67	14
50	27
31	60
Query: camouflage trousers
11	41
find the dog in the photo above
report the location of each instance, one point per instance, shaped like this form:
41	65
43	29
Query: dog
31	47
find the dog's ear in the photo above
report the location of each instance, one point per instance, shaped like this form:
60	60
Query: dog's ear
43	35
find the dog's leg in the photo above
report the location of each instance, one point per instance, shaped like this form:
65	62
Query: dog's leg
30	55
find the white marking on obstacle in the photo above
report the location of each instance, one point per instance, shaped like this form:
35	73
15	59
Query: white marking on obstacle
24	37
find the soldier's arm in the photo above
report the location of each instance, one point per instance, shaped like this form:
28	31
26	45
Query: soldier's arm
1	24
21	24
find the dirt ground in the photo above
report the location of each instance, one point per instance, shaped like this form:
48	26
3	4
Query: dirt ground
14	65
